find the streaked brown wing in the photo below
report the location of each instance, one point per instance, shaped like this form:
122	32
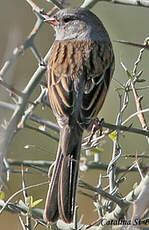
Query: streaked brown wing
97	83
73	62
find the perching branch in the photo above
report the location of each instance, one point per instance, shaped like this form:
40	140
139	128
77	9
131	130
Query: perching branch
89	165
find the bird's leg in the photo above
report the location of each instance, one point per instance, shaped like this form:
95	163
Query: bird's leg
100	125
97	125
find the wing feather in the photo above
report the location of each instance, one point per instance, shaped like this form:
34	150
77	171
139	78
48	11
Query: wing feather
94	67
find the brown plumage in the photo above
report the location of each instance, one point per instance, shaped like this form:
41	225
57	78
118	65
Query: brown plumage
79	74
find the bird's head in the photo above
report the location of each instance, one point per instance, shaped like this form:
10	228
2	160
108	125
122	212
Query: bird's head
76	24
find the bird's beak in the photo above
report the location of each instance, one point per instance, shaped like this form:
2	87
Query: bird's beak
51	20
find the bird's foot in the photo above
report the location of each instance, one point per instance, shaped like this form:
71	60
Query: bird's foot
97	125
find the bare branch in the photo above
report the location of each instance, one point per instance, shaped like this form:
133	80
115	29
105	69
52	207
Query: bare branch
56	3
17	208
7	105
118	212
100	191
42	121
20	191
144	45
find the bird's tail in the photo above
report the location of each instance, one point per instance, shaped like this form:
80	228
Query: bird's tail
61	196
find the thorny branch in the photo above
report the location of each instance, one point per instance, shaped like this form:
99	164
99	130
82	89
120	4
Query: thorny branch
134	79
89	165
137	98
8	134
114	215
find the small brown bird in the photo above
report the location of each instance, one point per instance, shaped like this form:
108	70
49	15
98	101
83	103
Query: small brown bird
80	68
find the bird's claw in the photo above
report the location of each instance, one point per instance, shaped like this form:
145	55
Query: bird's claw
97	125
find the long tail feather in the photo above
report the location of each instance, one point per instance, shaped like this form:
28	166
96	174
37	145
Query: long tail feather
66	194
51	212
62	190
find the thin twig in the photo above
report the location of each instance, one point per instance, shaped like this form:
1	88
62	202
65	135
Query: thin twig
138	98
20	191
44	132
134	156
100	191
139	45
134	114
7	105
118	212
56	3
40	120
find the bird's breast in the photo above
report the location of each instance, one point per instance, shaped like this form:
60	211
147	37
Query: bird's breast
67	57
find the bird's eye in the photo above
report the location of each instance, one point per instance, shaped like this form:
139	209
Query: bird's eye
69	18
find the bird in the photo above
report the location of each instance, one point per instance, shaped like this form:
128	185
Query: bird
79	72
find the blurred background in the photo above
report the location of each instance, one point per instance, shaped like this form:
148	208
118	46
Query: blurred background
122	22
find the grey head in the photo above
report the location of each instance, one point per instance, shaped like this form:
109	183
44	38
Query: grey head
78	24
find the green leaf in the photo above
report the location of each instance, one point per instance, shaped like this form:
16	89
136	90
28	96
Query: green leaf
129	75
97	150
127	72
30	203
36	202
113	136
119	89
2	195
